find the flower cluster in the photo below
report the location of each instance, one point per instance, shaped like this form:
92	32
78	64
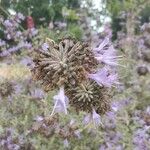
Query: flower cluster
83	75
14	37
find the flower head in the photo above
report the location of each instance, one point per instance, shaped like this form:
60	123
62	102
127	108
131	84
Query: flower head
61	102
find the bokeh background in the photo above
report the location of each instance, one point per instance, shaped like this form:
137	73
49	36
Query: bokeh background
24	26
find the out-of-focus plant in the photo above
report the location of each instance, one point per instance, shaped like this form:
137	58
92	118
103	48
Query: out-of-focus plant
44	11
116	7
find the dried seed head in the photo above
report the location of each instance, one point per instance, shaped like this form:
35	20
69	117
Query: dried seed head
88	95
64	63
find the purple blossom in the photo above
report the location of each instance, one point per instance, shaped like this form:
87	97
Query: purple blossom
18	88
102	47
37	93
2	43
93	118
4	53
108	57
77	134
110	120
104	78
7	23
141	139
66	143
96	118
45	47
39	118
106	53
115	106
61	102
20	16
27	61
33	32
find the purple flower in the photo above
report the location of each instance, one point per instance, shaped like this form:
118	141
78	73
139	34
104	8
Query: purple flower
7	23
106	53
45	46
108	57
96	118
102	46
66	143
93	118
27	61
141	139
61	102
17	88
104	78
20	16
110	120
37	93
33	32
2	43
77	134
115	106
4	53
39	118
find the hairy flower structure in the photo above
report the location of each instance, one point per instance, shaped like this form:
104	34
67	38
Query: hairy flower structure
89	95
93	118
104	78
61	102
106	53
72	67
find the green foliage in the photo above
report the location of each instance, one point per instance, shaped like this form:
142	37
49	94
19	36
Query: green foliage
43	10
115	7
72	30
76	31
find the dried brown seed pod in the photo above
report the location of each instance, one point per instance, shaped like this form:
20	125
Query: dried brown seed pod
64	63
88	95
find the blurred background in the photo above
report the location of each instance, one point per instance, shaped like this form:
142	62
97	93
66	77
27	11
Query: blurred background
24	26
